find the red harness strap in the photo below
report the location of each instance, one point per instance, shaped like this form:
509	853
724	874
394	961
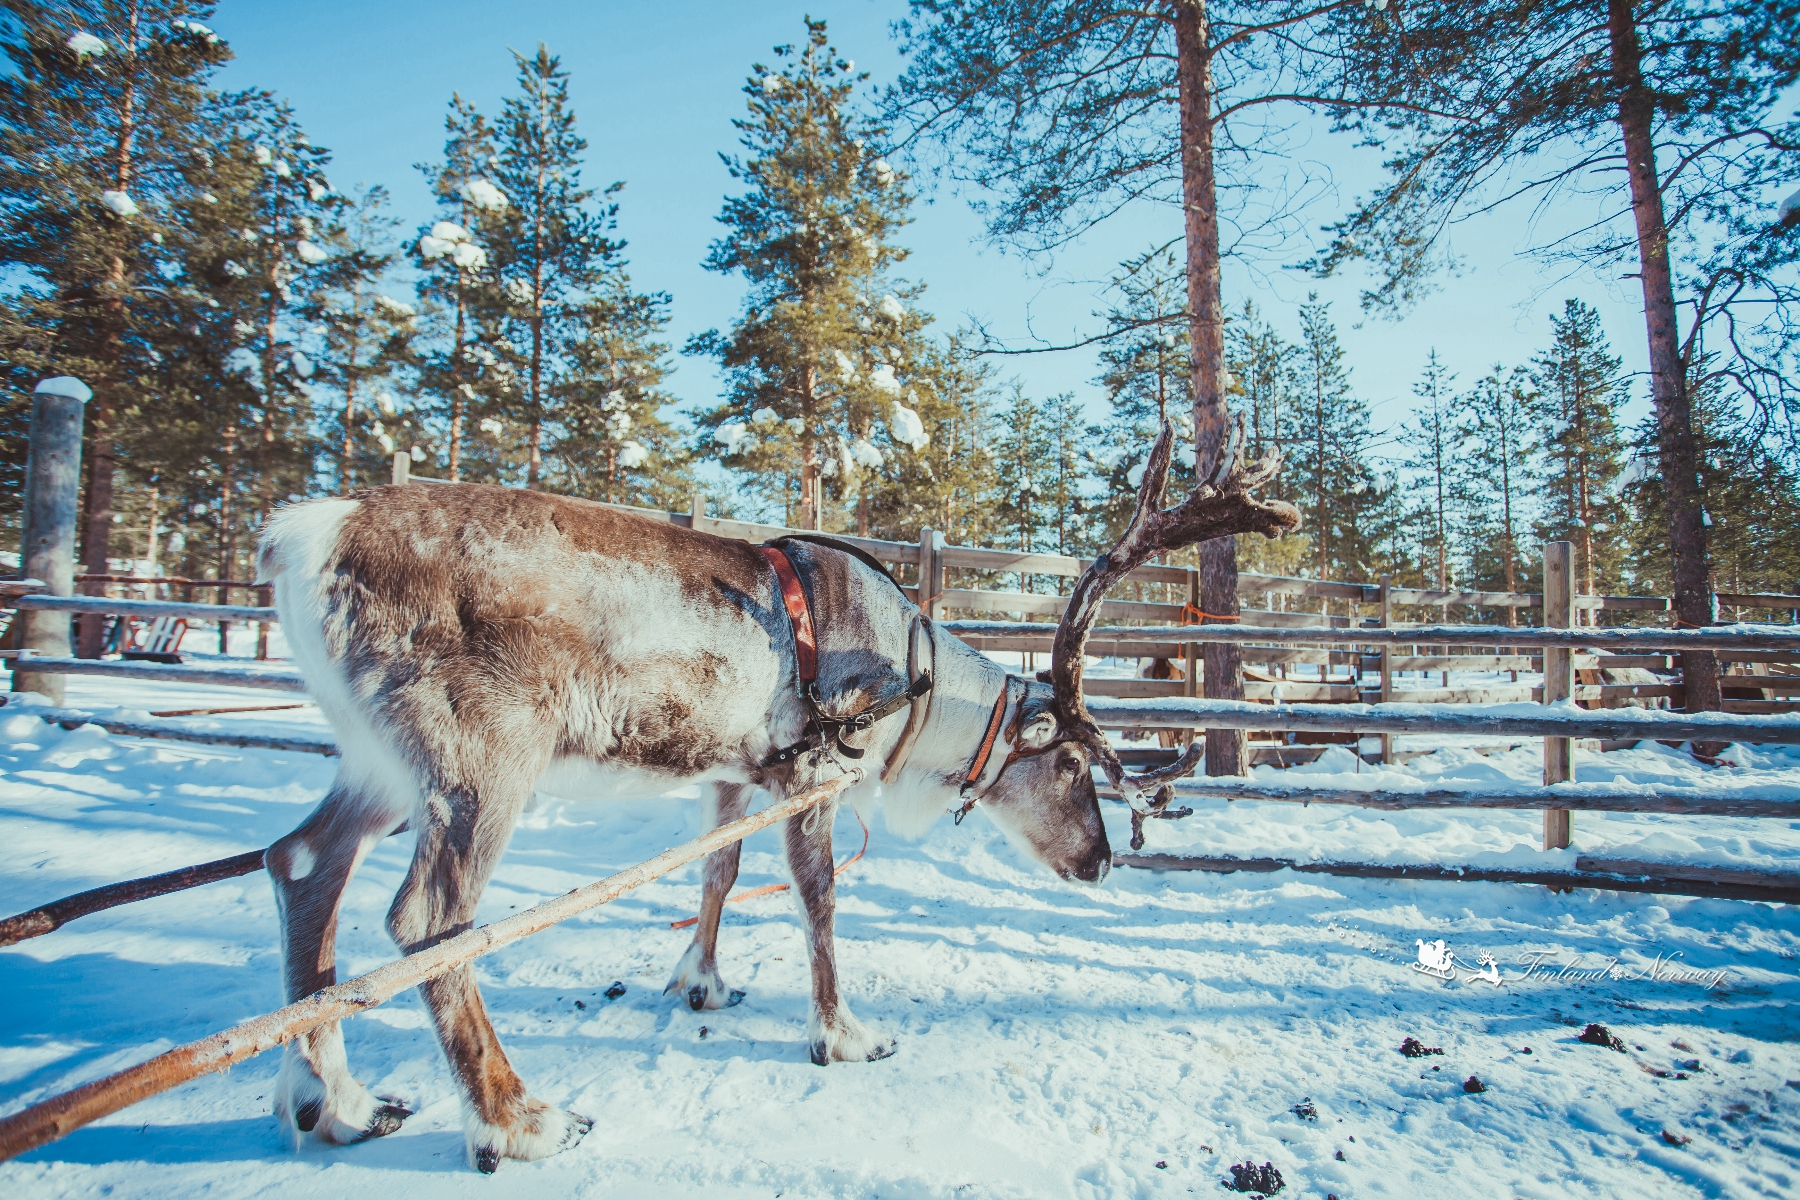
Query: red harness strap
793	598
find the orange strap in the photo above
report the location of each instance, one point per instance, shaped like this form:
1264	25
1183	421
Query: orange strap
1192	614
770	889
979	763
793	597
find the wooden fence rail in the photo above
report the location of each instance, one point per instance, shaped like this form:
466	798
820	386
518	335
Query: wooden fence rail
61	1115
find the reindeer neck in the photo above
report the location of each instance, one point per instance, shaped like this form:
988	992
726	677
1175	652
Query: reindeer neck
966	685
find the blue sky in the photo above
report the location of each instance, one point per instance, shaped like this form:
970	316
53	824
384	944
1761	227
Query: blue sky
656	87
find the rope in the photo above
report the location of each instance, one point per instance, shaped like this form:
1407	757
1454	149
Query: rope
769	889
1193	614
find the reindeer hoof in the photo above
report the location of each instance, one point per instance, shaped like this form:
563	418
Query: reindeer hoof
487	1160
387	1118
696	997
736	997
307	1115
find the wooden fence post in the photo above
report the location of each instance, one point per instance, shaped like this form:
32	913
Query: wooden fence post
1387	664
52	501
931	573
402	467
1559	681
697	507
1191	650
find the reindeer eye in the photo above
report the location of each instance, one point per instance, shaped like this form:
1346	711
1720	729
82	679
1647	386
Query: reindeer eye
1068	764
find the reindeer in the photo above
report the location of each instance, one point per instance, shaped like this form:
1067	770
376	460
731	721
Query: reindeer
471	645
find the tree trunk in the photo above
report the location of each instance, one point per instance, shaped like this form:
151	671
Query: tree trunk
1668	374
98	517
812	489
1224	674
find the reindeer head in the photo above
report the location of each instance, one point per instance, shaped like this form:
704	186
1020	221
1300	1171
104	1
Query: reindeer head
1046	799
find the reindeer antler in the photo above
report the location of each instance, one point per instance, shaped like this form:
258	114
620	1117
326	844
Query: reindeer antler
1217	507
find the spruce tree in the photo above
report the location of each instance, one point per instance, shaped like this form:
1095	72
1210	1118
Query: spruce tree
1025	466
826	361
1264	373
1579	390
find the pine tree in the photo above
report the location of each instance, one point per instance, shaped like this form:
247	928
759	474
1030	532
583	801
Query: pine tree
1146	370
362	335
1752	494
1493	474
549	252
99	117
1332	476
1436	442
615	444
1025	463
1579	391
827	359
950	484
452	258
1263	366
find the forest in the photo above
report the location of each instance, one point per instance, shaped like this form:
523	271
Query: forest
255	334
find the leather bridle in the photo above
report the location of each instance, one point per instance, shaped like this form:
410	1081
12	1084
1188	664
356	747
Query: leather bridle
825	730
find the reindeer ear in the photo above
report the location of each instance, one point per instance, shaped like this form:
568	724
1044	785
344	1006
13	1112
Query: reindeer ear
1040	733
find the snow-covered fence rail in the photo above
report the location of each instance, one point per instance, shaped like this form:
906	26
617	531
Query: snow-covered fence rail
270	678
1784	638
1608	874
1684	802
61	1115
1529	720
106	606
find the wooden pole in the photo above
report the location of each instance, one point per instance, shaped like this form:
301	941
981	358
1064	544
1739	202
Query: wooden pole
52	501
61	1115
402	467
1386	601
50	917
931	573
1559	681
1190	653
697	511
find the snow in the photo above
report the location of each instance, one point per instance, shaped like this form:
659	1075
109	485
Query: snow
263	155
119	203
433	247
884	174
491	425
772	84
907	428
521	291
891	308
309	252
85	44
632	455
864	454
469	256
303	366
65	385
795	425
735	436
882	377
846	368
417	454
197	29
449	231
764	417
243	361
384	400
1054	1041
483	195
395	308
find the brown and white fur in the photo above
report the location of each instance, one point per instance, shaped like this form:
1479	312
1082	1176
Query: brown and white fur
471	645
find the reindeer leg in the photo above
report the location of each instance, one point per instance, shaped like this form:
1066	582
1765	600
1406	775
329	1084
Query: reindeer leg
696	977
832	1033
310	868
459	845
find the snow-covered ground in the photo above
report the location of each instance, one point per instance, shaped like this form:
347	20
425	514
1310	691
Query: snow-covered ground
1054	1041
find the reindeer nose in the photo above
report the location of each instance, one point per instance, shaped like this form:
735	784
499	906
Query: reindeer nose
1094	870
